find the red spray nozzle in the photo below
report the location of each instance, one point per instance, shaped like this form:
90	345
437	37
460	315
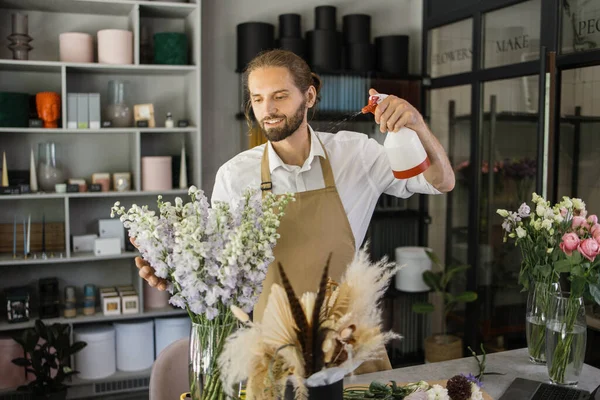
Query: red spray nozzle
370	108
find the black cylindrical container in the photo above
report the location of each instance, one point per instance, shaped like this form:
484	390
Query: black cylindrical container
325	55
391	54
289	26
335	391
356	28
252	38
295	45
325	18
359	57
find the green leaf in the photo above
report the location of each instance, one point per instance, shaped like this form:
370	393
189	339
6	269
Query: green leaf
423	308
452	271
576	257
562	266
577	285
21	362
466	297
41	330
595	292
75	347
434	258
543	270
577	270
433	280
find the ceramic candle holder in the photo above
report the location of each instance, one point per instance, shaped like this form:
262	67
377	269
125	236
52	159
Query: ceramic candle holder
76	47
115	46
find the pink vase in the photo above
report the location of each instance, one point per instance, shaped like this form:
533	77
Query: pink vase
12	375
76	47
115	46
156	173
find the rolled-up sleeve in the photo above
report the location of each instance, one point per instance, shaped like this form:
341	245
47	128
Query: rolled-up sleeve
380	174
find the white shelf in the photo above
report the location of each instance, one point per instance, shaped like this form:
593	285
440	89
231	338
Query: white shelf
102	131
6	260
99	7
96	318
56	66
130	193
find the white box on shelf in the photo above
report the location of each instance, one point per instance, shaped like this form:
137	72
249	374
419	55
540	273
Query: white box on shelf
107	246
82	111
130	303
94	110
72	110
98	359
83	243
111	305
112	228
134	339
107	292
125	288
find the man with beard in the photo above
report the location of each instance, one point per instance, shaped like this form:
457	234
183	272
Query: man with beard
337	178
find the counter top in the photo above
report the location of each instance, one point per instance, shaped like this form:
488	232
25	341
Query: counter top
513	363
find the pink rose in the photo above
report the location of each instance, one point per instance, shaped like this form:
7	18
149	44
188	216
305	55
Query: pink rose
596	235
592	219
578	222
589	248
595	229
570	242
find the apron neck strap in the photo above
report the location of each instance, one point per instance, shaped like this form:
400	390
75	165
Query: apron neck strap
265	174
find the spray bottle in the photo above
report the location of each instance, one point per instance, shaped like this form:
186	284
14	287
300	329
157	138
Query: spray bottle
404	150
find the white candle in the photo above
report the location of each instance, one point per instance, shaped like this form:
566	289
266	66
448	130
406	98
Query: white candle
29	235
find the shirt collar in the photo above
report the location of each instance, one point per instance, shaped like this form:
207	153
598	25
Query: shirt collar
316	149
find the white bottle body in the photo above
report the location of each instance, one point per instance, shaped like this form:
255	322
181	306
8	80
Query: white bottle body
404	150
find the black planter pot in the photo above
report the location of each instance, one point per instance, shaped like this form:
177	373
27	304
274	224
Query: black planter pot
325	54
325	18
289	26
391	54
335	391
252	38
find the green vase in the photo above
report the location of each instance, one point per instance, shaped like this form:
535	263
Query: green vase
170	48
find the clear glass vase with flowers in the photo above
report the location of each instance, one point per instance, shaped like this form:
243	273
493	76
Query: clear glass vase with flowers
212	258
579	262
537	234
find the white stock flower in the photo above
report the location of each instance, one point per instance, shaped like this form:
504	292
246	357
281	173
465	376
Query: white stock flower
547	224
476	393
438	392
503	213
578	204
521	233
540	210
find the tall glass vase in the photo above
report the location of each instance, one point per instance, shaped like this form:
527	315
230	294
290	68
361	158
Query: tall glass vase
50	171
538	302
206	344
566	335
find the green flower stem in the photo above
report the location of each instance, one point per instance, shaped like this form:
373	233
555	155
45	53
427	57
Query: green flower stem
562	353
211	336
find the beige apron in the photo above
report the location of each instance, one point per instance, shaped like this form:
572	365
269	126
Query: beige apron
312	227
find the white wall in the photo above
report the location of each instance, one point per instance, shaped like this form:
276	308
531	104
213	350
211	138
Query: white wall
223	136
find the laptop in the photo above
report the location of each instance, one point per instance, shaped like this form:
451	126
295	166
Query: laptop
525	389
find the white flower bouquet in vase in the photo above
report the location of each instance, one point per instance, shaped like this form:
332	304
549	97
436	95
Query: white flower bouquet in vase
212	258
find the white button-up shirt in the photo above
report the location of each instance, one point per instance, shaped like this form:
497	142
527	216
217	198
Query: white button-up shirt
360	168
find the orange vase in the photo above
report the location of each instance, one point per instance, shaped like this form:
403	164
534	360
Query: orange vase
48	108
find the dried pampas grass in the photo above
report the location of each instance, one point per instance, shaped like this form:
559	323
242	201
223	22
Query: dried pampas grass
337	326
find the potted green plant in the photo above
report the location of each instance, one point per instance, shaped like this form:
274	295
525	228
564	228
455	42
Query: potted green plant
442	346
47	351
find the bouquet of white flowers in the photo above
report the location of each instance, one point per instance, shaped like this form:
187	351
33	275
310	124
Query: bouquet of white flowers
212	258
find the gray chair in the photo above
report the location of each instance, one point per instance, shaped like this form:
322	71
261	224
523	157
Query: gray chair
169	378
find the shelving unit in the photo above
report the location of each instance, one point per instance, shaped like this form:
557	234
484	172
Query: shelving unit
82	152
